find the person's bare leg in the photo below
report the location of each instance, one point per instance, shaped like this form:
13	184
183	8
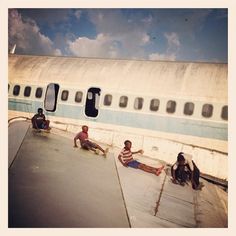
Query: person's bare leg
47	122
100	148
151	169
147	168
93	149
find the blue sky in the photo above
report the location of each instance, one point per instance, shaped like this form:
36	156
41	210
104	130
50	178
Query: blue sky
147	34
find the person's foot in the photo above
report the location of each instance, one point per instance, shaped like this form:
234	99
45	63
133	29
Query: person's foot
182	183
201	184
199	187
37	130
97	151
105	152
158	172
174	181
161	168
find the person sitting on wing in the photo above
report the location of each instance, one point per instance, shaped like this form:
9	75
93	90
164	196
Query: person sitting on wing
85	143
39	121
184	169
126	159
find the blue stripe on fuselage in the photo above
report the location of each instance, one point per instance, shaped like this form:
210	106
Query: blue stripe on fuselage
207	129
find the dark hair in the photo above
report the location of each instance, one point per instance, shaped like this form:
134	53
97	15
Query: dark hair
84	126
40	109
180	157
127	141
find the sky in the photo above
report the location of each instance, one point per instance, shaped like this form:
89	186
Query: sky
145	34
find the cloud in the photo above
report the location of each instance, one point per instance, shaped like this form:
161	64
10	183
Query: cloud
173	46
106	45
148	19
145	38
117	36
173	39
126	36
47	16
163	57
102	46
78	14
26	34
155	34
172	42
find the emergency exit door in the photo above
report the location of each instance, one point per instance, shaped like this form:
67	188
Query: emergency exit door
92	102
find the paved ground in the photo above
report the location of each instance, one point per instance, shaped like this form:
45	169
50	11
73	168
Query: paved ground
51	184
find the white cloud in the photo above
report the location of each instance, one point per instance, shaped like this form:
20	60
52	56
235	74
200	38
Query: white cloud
101	46
148	19
173	39
78	14
164	57
145	38
118	37
173	45
27	36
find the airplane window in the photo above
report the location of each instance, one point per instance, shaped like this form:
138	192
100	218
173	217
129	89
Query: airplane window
224	113
188	108
78	96
107	100
207	110
171	106
39	92
50	102
16	90
123	101
27	91
64	95
89	95
138	103
154	104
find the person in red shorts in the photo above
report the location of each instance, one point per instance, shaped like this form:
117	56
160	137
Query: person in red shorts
85	143
126	159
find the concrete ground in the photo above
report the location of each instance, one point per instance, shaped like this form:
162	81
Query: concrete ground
52	184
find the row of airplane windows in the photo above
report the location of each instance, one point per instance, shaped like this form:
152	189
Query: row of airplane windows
207	109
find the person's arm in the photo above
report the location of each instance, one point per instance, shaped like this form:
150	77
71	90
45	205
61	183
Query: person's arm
139	151
34	122
75	144
194	185
173	174
75	139
123	163
191	167
174	179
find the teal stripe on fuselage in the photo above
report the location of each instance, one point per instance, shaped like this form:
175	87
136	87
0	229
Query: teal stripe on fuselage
207	129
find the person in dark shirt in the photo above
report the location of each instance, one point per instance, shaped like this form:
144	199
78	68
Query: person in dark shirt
185	169
85	143
39	121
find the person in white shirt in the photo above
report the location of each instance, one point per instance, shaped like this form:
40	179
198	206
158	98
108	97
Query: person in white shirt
184	169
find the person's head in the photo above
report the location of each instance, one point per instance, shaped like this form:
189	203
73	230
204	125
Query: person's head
85	128
127	144
40	111
180	158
